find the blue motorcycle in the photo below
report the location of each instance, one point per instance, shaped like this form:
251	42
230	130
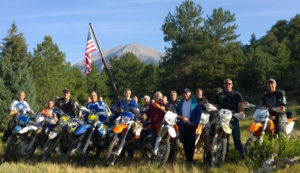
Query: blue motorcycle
32	137
18	132
94	133
59	137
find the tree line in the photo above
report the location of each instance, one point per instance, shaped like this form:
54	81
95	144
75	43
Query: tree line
202	52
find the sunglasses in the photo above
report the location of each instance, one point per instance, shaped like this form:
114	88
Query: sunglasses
227	83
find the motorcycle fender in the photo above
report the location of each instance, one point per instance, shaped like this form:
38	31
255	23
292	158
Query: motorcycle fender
162	131
52	135
119	128
28	128
81	129
289	127
158	139
171	131
199	129
102	130
271	125
254	127
227	129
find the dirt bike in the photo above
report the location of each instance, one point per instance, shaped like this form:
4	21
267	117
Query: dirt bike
215	147
167	131
263	124
127	134
200	136
26	145
59	137
17	133
96	132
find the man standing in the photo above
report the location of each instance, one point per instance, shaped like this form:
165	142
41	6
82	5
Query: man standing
67	105
173	102
274	98
190	109
14	108
144	108
201	99
232	100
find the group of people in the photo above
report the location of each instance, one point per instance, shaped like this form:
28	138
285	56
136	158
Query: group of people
189	107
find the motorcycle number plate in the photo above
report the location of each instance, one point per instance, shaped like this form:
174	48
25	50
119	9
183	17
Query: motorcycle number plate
64	118
92	117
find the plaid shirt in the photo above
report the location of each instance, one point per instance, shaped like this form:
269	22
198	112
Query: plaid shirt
156	115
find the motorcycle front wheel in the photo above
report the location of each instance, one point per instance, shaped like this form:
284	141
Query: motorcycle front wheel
218	158
47	150
8	150
293	136
111	154
21	151
247	147
163	153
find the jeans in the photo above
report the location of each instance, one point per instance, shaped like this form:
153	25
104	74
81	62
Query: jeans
236	135
188	140
154	136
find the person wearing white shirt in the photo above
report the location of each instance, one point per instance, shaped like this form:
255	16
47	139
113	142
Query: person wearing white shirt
190	109
15	107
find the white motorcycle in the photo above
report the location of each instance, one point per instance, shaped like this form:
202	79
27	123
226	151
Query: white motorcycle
26	145
215	147
263	124
162	146
200	136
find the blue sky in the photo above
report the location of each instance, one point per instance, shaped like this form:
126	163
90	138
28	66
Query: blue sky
121	22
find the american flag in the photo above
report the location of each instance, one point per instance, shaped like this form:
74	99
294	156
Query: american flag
90	47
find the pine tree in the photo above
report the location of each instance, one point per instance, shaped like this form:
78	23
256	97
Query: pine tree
49	71
77	84
14	71
127	71
96	82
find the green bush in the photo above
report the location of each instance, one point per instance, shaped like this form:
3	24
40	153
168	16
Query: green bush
283	147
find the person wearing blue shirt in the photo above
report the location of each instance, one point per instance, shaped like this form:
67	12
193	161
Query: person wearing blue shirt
95	105
129	105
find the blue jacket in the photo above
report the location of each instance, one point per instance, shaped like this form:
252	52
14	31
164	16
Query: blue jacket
97	107
195	113
128	106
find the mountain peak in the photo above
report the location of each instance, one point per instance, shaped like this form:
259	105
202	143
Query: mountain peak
145	54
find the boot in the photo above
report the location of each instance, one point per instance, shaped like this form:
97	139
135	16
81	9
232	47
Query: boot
6	134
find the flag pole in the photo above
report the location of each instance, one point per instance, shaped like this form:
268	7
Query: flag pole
105	64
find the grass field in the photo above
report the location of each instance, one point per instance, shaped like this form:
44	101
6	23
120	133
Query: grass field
233	163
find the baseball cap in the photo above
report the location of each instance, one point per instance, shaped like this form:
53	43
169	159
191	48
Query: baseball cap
186	90
271	80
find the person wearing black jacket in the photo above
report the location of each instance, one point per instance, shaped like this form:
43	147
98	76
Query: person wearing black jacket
274	98
173	103
232	100
201	99
67	105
